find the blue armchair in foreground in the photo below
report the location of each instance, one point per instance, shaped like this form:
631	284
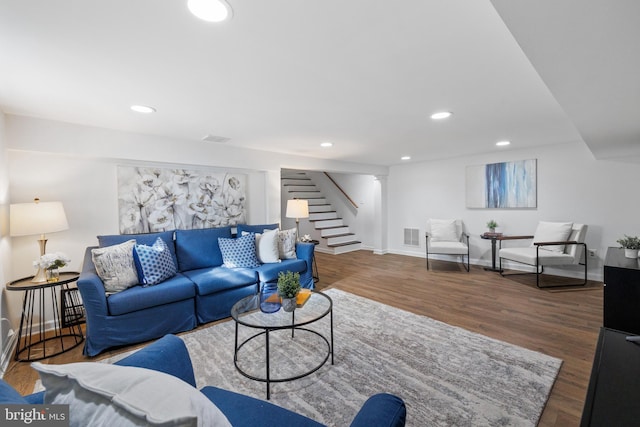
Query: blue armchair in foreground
169	355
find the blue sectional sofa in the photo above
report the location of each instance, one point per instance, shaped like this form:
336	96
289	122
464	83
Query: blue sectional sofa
203	290
170	356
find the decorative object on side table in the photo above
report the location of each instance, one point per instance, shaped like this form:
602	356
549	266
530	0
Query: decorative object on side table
288	288
491	225
631	244
27	219
51	263
297	208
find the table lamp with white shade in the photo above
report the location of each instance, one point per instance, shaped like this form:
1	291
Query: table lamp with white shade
26	219
297	209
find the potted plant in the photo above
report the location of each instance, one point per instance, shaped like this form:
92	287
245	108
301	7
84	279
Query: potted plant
491	225
288	288
631	244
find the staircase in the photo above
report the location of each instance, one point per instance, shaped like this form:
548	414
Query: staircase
330	230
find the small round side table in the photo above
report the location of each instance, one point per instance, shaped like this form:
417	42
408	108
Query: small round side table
32	340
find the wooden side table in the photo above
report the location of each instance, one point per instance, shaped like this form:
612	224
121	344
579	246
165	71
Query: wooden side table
32	340
494	237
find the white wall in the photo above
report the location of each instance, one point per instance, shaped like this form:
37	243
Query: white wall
572	186
5	241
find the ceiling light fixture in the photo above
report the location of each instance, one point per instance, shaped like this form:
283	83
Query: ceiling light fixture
326	144
405	158
143	109
503	143
441	115
210	10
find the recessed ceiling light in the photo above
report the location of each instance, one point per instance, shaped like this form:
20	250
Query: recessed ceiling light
326	144
210	10
143	109
502	143
441	115
405	158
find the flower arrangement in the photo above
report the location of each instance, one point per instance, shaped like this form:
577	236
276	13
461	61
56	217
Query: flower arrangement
52	261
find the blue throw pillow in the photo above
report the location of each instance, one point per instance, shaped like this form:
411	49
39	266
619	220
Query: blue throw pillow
154	263
240	252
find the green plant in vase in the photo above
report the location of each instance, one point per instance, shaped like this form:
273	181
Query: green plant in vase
288	288
631	244
491	225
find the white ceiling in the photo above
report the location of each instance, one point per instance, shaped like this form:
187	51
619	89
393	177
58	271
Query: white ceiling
286	75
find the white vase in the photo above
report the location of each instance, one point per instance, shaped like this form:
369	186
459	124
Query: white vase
631	253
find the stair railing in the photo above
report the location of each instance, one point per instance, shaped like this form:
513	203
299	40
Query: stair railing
355	205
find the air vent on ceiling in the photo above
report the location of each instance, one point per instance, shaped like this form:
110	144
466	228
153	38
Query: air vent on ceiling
411	237
214	138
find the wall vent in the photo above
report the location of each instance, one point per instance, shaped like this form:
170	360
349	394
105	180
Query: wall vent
411	237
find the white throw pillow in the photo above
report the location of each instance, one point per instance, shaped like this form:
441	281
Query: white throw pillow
115	266
266	246
444	230
287	244
552	232
101	394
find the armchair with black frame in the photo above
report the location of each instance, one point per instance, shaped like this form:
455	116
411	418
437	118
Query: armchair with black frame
553	244
447	237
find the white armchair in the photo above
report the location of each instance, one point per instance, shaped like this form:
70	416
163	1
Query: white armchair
553	244
447	236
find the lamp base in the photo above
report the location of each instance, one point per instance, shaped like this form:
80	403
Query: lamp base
40	277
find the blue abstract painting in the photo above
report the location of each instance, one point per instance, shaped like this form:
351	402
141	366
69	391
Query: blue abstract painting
502	185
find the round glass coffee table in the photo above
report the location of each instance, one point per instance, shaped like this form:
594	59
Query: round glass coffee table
290	349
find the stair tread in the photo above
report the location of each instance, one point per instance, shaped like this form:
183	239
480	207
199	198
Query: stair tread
321	212
336	245
339	235
324	219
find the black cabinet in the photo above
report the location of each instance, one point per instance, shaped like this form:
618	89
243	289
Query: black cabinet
621	292
614	387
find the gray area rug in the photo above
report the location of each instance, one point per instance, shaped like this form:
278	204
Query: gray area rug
446	375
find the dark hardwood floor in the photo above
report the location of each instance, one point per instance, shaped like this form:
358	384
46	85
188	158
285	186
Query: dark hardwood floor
561	322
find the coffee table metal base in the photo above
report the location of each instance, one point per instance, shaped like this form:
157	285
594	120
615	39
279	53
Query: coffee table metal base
267	378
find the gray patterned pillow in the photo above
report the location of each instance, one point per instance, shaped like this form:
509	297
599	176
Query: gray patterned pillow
287	244
114	265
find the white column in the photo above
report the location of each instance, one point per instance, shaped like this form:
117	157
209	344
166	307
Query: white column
380	228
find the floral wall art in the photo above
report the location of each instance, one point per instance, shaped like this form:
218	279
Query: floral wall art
502	185
160	199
